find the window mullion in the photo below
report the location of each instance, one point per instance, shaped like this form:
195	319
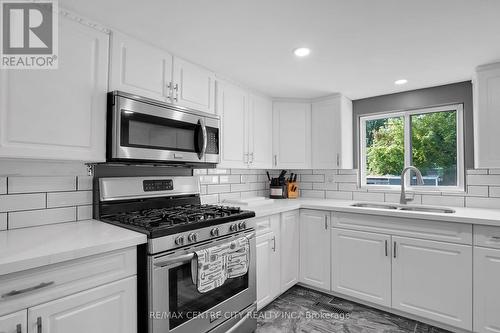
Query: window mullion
407	148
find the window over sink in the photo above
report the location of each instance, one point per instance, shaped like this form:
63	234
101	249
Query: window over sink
430	139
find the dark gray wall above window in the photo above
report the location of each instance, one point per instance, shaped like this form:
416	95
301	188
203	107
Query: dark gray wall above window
456	93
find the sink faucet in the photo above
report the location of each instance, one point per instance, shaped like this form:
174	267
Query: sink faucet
420	181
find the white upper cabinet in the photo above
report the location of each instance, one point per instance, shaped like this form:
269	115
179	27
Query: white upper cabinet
332	137
260	132
487	116
140	68
291	135
232	107
315	248
59	114
193	86
433	280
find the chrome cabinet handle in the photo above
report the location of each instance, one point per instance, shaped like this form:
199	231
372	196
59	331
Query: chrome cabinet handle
176	88
39	325
395	247
338	159
326	222
169	91
251	159
246	158
275	160
19	328
22	291
274	243
386	251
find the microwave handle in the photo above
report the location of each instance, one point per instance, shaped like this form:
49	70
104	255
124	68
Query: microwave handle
204	135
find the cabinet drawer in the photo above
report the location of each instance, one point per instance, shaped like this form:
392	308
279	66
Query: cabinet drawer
27	288
487	236
460	233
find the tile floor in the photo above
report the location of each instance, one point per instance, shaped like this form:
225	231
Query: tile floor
310	311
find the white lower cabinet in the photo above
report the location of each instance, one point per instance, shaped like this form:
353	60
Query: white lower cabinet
361	265
105	309
486	290
289	249
315	248
14	322
433	280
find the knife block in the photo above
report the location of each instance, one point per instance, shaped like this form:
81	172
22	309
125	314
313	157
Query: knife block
293	190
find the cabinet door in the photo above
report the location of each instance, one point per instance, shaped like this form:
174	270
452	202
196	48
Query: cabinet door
486	290
289	249
332	135
291	135
315	248
140	68
14	322
260	132
361	265
487	117
194	86
232	106
111	308
58	114
433	280
263	265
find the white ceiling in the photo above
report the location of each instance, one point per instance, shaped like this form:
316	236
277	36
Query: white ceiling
359	47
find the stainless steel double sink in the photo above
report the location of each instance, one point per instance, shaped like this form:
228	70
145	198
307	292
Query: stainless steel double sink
423	209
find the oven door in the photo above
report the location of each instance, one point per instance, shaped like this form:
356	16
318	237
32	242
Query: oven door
175	305
143	131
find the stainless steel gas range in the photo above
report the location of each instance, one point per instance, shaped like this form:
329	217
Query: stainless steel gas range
169	211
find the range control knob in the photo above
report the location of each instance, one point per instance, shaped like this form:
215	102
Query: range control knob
179	240
192	237
214	232
233	227
242	225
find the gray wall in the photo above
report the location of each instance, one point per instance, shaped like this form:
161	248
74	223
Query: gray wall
456	93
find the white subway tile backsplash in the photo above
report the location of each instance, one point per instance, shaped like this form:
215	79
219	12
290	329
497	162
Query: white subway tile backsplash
249	178
209	179
312	178
324	186
312	194
306	186
3	185
212	189
197	172
368	196
347	172
494	192
349	178
3	221
32	218
84	183
229	196
494	171
240	187
217	171
477	191
16	185
13	202
477	202
84	212
210	199
339	195
63	199
437	200
229	179
348	187
491	180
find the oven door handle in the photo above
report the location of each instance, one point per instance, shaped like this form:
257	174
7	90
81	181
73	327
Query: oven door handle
187	256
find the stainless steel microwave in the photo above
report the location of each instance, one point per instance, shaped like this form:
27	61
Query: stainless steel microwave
144	130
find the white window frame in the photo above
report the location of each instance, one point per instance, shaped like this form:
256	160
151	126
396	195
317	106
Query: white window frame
458	108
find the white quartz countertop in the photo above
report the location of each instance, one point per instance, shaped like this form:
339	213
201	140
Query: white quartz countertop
461	215
26	248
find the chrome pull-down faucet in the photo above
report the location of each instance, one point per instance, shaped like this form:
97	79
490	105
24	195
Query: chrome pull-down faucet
420	181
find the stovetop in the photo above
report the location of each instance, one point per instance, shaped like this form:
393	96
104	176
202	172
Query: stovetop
157	222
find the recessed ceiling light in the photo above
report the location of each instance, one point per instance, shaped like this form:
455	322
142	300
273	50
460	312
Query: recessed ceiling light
302	52
400	82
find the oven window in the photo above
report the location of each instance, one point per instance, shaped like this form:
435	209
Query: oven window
144	131
184	298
